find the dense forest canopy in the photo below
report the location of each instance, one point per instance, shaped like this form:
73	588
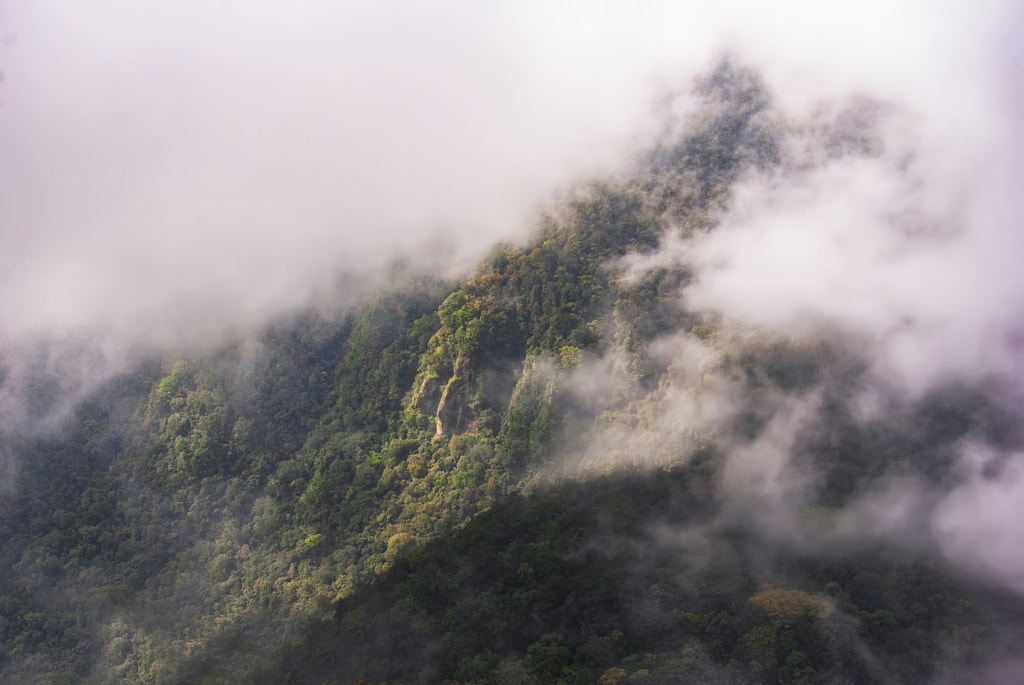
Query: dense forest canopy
738	412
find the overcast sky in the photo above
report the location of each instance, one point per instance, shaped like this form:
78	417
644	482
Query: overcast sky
210	164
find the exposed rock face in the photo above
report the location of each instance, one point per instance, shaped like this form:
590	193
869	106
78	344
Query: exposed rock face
453	414
428	395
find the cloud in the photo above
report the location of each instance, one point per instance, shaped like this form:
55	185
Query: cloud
891	227
230	160
903	248
759	473
175	172
978	526
221	162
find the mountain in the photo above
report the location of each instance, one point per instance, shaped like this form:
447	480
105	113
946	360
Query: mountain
574	465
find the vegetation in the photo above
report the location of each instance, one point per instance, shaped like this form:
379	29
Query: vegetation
549	588
382	493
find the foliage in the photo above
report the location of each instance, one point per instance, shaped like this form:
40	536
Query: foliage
365	493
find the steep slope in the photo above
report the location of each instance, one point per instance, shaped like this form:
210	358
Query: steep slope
557	470
636	577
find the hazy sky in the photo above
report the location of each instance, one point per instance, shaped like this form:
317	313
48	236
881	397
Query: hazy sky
169	167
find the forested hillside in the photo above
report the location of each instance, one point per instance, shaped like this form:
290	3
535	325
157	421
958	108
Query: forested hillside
553	470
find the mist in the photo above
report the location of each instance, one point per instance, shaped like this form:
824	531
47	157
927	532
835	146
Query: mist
178	175
883	242
174	176
176	171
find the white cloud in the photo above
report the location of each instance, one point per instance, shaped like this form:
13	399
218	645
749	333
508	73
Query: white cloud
230	157
978	524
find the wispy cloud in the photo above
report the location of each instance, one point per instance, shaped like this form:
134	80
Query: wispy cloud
213	164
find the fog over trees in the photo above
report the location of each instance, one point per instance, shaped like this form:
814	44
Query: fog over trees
520	344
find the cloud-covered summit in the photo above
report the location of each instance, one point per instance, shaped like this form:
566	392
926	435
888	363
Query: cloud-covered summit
175	170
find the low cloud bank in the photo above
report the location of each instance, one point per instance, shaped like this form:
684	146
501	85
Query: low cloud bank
175	176
216	165
876	257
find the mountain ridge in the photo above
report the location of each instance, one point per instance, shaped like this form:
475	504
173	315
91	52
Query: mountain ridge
454	469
